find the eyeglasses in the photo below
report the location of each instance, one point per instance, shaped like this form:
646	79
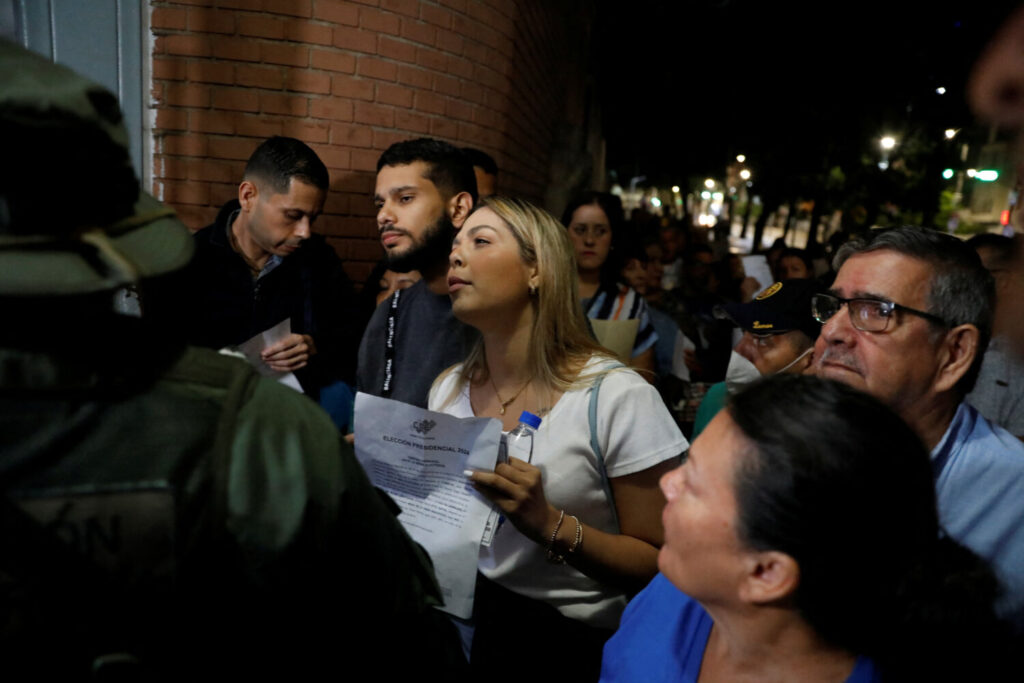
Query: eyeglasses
867	315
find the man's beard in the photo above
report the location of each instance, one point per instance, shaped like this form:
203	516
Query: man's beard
432	248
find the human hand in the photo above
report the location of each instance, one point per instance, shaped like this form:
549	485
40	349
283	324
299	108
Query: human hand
289	354
518	491
748	288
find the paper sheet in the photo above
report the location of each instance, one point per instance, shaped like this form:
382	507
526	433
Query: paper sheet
252	348
618	336
756	266
418	456
682	345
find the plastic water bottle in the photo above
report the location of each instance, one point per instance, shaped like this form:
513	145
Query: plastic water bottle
519	444
520	440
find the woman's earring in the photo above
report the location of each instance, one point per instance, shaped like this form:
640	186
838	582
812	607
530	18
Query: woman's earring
533	290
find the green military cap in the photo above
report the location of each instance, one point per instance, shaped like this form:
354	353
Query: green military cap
37	97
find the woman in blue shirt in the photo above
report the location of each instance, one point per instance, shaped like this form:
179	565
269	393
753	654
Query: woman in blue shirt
802	543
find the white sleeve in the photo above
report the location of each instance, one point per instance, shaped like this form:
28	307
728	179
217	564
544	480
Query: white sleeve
635	428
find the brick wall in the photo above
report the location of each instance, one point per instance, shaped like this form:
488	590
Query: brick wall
351	77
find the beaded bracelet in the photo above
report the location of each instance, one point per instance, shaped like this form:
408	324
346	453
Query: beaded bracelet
578	540
552	555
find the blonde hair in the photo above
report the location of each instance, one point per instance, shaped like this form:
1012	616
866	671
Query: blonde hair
560	342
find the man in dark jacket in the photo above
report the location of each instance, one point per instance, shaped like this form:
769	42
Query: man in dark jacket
259	263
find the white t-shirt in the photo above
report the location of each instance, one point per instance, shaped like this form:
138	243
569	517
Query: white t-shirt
636	432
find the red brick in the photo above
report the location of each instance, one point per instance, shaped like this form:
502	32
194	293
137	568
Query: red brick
460	67
184	44
304	31
382	139
491	78
418	32
458	109
196	217
238	99
232	148
292	105
347	86
183	145
415	76
210	21
171	119
333	157
443	128
283	53
369	3
476	53
169	69
307	131
212	122
429	102
336	202
412	121
372	67
446	85
186	193
186	95
303	80
364	160
457	5
331	108
451	42
295	8
217	171
360	183
251	5
381	22
258	126
438	16
431	59
260	26
173	167
374	114
168	17
397	95
355	39
336	11
471	92
242	49
409	8
351	136
487	118
258	76
396	49
332	60
211	72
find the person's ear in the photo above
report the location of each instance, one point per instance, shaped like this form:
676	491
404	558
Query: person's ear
771	575
459	207
957	353
248	193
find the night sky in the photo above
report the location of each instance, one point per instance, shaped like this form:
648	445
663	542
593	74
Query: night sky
685	86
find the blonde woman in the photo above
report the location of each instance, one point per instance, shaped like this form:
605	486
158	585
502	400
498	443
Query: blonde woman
557	575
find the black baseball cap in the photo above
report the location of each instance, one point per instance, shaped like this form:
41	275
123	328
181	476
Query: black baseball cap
783	307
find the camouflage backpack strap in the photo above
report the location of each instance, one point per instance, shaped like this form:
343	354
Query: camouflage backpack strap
238	380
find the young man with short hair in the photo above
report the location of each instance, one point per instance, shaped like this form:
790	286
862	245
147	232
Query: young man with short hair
425	190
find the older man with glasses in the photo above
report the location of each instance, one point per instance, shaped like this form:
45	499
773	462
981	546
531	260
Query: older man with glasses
907	320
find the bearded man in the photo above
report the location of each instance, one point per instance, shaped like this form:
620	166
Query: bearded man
425	190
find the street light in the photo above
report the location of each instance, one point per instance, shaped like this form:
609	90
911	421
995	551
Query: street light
741	158
950	133
888	142
709	183
675	189
745	174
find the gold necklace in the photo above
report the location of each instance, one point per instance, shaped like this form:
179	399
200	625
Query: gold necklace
505	404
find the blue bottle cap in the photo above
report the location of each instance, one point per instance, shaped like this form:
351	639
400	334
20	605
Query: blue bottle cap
530	419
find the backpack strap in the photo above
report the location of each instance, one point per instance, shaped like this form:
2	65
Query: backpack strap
595	443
